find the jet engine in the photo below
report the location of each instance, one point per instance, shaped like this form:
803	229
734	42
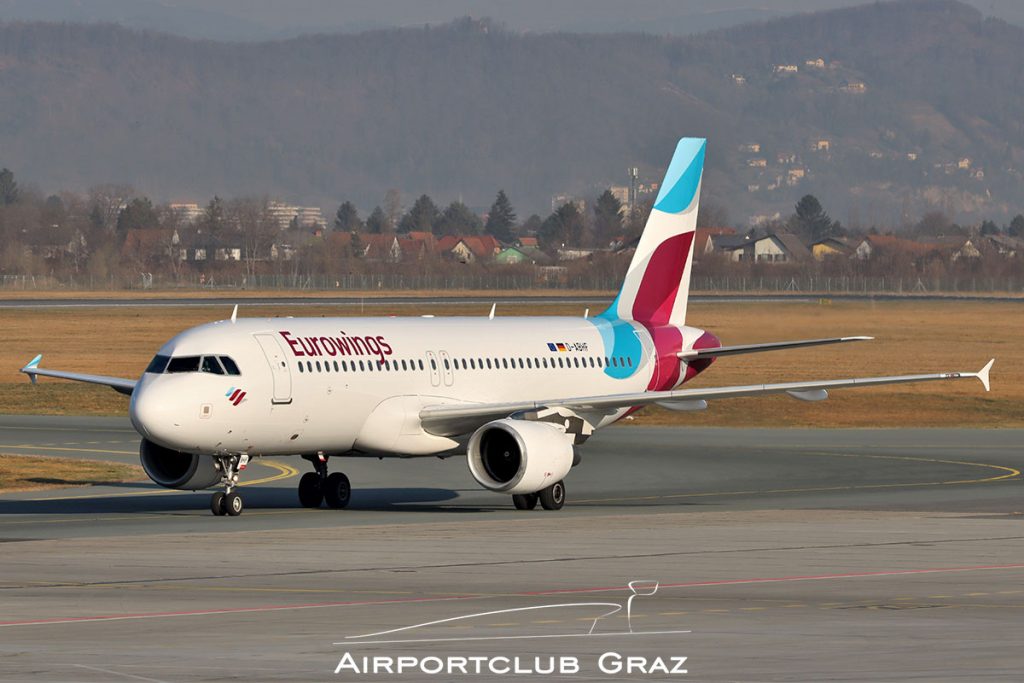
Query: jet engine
517	456
177	470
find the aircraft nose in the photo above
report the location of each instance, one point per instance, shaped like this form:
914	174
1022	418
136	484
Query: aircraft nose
152	414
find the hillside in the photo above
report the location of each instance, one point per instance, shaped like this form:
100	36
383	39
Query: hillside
464	109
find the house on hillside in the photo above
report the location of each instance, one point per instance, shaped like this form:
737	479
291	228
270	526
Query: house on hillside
1004	245
529	255
828	247
873	245
772	248
151	245
703	242
469	248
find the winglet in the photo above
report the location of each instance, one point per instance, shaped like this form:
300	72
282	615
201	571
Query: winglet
494	307
32	365
983	374
234	313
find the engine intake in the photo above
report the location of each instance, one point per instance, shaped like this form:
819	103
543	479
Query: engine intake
177	470
517	456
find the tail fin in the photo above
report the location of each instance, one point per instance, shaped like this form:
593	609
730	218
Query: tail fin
657	283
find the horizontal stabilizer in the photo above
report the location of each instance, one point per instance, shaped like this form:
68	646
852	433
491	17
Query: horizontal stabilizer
757	348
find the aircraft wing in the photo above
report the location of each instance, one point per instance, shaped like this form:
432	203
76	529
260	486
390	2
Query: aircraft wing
756	348
118	384
460	418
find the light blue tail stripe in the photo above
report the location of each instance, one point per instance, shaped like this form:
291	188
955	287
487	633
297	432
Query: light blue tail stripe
683	176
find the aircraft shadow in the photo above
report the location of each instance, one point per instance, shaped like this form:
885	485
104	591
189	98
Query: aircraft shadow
151	500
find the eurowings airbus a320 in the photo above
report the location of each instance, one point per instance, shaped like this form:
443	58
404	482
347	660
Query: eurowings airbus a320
517	395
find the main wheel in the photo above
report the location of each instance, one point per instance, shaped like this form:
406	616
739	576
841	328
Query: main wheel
525	501
217	504
233	504
311	494
553	497
337	490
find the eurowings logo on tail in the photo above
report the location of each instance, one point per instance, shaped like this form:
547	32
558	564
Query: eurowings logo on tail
235	396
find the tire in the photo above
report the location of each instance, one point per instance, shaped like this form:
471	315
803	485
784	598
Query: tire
311	493
337	491
217	504
553	497
233	504
525	501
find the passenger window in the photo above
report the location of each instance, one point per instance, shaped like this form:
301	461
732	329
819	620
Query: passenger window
318	367
576	361
488	363
433	364
300	366
504	362
421	364
184	364
446	366
520	363
614	364
403	366
230	365
158	364
472	363
212	365
309	366
629	361
361	367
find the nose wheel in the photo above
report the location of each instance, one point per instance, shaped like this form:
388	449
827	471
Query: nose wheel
319	486
229	502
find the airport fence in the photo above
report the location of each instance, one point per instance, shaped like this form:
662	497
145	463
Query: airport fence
801	284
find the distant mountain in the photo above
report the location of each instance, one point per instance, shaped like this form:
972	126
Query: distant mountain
907	91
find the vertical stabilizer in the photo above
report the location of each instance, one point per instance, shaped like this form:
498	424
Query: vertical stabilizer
657	283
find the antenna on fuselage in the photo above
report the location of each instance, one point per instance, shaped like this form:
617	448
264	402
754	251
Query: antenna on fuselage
234	313
490	316
586	314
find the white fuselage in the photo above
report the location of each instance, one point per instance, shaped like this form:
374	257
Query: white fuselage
356	385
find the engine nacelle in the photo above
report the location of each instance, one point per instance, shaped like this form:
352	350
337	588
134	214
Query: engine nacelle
517	456
176	470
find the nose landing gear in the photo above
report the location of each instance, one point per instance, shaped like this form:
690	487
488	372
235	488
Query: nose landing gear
229	502
316	487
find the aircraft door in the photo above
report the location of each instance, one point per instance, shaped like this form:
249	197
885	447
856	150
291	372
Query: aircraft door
435	375
447	369
280	371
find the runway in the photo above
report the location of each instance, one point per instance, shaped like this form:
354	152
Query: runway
780	555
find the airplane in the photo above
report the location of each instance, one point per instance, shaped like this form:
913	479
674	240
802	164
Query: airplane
518	396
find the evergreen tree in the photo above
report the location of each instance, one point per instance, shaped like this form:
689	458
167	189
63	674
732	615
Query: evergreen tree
421	217
810	220
139	213
1017	226
607	217
377	221
989	228
213	216
501	218
458	219
347	218
563	227
8	187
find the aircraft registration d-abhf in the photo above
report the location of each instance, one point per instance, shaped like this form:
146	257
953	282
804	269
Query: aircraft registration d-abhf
518	396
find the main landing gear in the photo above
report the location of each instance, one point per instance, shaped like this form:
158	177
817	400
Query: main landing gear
551	498
319	486
228	501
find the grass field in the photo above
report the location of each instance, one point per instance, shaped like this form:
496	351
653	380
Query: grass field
27	473
912	336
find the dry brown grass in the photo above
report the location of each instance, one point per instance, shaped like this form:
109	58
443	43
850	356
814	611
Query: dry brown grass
916	336
29	472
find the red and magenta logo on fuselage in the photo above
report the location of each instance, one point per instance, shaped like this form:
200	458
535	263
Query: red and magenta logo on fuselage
235	396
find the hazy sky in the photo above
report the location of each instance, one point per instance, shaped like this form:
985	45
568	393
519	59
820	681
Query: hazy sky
262	19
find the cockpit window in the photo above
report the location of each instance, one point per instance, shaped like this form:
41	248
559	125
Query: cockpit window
212	365
184	364
158	364
230	366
